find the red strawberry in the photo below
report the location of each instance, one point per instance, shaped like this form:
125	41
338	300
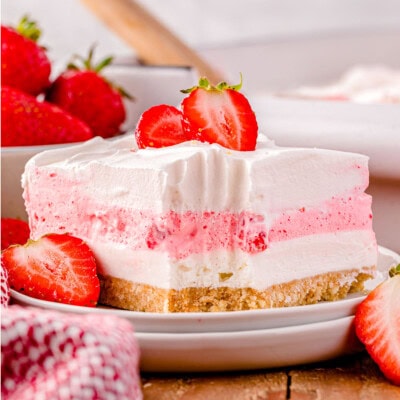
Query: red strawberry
26	121
90	97
220	114
24	64
160	126
59	268
377	324
13	231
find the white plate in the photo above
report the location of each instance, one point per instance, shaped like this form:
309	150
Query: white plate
267	348
230	321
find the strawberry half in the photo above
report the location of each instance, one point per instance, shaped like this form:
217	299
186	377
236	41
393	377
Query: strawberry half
59	268
220	114
13	231
377	325
160	126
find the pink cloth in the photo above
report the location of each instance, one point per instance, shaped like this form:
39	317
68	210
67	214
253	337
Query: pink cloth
50	355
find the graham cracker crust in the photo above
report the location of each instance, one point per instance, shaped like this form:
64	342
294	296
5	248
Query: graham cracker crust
128	295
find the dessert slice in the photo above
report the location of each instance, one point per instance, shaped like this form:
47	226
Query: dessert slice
213	219
198	227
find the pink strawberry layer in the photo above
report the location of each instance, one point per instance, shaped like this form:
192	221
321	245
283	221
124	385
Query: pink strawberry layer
183	234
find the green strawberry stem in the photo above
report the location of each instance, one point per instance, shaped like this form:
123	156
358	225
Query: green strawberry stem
88	65
205	84
88	62
28	28
394	271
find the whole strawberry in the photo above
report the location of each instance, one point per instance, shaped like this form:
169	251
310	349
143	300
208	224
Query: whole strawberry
13	231
24	64
86	94
377	325
59	268
26	121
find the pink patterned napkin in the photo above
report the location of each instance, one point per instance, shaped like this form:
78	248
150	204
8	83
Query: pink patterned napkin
51	355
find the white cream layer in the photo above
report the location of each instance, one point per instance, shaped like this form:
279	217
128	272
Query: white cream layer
282	262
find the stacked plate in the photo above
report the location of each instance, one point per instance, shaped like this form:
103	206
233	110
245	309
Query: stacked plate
240	340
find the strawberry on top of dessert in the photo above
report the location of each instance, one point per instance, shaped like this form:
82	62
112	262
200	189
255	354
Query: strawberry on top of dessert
214	114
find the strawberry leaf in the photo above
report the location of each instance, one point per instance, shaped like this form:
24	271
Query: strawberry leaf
204	83
28	28
394	271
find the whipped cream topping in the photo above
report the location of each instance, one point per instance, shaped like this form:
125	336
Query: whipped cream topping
197	176
361	84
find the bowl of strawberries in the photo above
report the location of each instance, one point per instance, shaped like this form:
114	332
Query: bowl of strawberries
41	109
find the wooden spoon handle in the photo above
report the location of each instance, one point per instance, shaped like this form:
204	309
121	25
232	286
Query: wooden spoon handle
152	41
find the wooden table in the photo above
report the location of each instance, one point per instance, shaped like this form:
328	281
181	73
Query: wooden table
348	378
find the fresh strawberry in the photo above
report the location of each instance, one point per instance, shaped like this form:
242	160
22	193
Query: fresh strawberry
160	126
86	94
13	231
24	64
220	114
377	324
59	268
27	121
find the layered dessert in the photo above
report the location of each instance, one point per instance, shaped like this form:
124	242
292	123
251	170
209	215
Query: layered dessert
361	84
199	227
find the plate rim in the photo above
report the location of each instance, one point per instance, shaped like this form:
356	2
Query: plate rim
247	350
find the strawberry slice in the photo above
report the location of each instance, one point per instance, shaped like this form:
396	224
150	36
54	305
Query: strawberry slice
220	114
59	268
160	126
377	325
13	231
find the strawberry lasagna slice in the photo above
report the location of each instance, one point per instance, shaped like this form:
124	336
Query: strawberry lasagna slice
199	227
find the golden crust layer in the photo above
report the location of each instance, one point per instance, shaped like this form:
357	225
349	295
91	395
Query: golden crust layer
140	297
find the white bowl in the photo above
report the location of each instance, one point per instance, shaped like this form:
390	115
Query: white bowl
148	85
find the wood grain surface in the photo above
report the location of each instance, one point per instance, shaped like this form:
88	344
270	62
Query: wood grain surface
350	378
